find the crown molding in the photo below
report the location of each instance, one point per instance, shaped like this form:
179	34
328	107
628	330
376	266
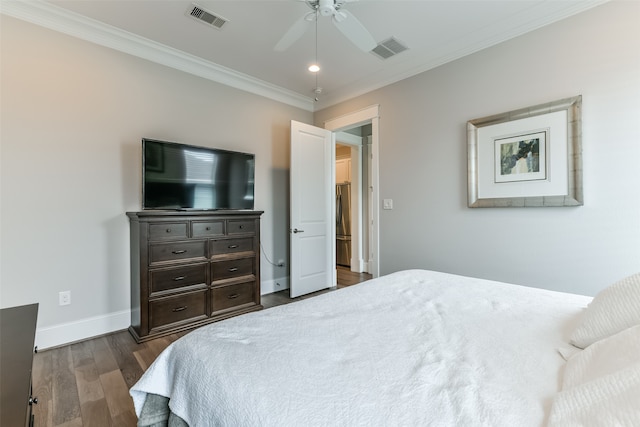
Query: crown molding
58	19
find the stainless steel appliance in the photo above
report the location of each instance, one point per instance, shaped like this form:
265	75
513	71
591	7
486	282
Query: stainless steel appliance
343	224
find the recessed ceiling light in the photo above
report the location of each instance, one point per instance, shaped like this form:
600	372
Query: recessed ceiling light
314	68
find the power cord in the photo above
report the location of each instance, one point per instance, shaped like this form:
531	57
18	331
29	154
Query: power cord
279	264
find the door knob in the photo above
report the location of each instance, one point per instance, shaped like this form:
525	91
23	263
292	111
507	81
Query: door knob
295	231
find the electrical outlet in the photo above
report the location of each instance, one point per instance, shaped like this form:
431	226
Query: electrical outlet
64	297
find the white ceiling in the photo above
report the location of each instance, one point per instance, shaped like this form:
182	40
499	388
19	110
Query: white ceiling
436	32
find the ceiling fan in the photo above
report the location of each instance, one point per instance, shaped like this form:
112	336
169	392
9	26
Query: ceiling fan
342	19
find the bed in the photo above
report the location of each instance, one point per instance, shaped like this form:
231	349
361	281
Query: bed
413	348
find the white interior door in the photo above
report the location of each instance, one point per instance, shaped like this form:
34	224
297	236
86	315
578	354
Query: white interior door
312	209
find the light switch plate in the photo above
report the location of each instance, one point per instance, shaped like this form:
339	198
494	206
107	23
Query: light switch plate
387	204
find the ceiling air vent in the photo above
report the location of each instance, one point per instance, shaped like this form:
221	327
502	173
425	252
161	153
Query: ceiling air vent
389	48
206	17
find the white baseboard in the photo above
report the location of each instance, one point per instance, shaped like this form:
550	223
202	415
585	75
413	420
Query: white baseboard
275	285
66	333
368	266
358	265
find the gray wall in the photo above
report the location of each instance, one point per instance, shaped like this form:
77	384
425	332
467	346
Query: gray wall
423	158
73	114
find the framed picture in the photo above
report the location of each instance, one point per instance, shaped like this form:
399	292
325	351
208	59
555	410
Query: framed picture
527	157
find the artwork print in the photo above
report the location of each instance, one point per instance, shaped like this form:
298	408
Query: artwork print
521	157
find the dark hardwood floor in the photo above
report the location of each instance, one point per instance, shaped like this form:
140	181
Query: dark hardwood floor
345	278
87	383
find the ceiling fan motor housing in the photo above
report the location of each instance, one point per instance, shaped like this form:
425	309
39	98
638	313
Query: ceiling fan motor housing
326	7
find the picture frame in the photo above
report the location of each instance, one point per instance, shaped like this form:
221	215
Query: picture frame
531	157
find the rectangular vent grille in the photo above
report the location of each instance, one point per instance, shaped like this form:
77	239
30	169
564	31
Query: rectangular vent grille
389	48
197	12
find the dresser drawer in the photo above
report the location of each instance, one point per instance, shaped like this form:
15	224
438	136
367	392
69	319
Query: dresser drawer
240	226
207	228
178	277
231	296
183	308
168	231
229	246
166	252
233	268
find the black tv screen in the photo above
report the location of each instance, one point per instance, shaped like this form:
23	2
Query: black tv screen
179	176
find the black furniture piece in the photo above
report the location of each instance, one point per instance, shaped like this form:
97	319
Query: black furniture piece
17	335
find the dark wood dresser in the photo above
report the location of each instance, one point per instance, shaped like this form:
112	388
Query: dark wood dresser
190	268
17	334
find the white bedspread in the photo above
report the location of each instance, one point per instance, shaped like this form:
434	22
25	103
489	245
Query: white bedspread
413	348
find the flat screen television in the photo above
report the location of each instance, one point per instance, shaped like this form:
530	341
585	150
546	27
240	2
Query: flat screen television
183	177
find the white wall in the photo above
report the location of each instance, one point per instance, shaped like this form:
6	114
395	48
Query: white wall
72	117
423	158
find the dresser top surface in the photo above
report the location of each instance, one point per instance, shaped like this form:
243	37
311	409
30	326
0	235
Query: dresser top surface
192	213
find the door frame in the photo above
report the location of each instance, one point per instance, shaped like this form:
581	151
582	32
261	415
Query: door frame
368	115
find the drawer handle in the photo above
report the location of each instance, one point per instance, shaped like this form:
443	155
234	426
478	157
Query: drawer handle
233	296
176	279
208	228
177	309
178	252
232	269
168	230
232	246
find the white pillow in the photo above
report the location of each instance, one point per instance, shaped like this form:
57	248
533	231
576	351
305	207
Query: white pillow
614	309
601	385
611	400
604	357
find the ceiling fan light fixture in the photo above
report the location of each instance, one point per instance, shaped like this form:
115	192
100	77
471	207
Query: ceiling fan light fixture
314	68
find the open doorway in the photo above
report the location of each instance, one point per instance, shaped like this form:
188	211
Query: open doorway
358	131
352	206
352	199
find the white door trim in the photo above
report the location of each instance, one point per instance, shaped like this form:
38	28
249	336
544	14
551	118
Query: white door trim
367	115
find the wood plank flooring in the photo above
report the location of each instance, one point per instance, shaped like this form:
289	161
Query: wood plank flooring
87	383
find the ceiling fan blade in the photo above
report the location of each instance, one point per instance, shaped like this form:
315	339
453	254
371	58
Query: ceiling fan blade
354	30
293	34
